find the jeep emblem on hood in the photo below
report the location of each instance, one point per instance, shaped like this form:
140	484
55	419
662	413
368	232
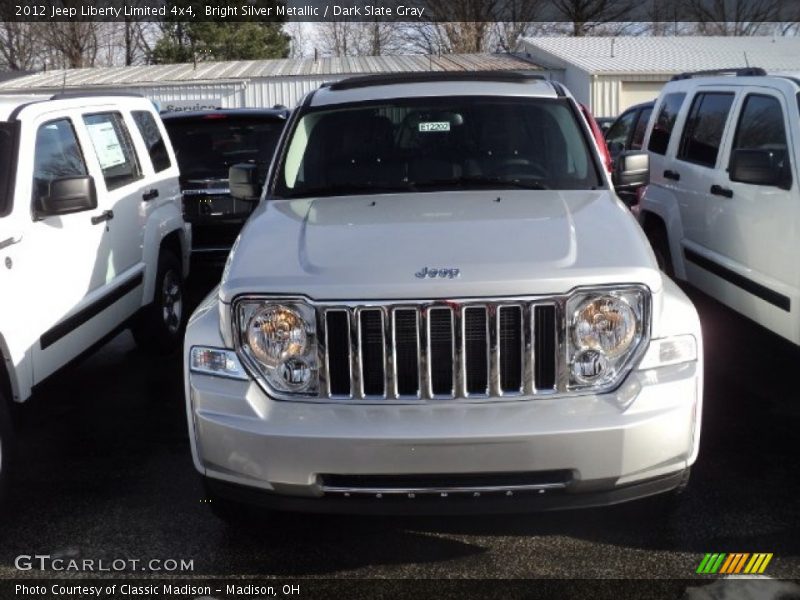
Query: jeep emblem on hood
441	273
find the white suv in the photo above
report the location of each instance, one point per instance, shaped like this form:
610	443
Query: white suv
722	209
441	305
92	237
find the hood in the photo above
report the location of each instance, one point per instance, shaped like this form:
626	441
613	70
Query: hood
505	243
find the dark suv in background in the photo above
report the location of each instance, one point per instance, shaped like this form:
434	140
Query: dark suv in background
207	143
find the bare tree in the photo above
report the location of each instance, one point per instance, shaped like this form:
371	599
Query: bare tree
19	45
136	41
595	17
462	26
299	33
339	38
732	17
350	38
72	44
520	18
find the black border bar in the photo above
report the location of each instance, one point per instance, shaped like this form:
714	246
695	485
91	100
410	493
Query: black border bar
748	285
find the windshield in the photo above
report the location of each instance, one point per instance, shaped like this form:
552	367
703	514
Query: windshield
207	146
426	144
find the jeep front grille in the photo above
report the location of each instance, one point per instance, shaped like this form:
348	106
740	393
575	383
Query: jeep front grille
440	350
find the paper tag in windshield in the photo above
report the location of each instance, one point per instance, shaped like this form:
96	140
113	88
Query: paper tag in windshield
429	126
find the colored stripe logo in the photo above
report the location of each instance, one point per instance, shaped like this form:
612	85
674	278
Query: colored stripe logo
737	563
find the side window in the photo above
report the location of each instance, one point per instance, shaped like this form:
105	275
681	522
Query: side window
57	156
704	126
8	153
619	131
641	127
152	138
760	125
114	150
662	129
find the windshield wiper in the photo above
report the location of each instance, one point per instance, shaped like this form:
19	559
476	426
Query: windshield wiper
483	181
344	189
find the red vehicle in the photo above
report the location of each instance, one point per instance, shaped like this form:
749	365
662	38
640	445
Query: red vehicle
598	137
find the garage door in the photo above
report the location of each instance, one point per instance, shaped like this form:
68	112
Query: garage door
634	92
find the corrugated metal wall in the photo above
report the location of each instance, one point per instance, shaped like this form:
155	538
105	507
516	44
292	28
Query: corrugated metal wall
231	94
607	94
269	91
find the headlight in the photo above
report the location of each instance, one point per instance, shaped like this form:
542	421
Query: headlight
279	342
275	333
606	324
606	332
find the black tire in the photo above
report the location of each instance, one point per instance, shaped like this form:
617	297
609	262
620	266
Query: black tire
159	327
7	448
660	243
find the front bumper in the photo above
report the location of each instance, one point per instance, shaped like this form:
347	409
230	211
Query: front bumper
579	451
583	450
452	504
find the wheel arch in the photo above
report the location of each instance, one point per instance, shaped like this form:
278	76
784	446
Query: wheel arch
170	235
659	208
8	380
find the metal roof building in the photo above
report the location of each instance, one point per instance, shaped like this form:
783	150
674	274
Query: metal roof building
256	83
610	74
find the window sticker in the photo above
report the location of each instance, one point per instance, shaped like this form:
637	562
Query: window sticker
430	126
106	144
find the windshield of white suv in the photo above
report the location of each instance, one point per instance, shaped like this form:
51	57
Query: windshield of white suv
434	144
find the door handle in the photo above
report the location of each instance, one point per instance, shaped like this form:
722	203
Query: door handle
104	216
718	190
10	241
150	195
669	174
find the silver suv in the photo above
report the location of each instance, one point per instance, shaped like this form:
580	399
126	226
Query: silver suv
440	304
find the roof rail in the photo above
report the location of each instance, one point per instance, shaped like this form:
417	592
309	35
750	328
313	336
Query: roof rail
737	71
71	95
431	76
560	92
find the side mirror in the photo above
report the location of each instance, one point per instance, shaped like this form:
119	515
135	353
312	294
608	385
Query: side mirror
67	195
759	167
243	182
615	149
631	171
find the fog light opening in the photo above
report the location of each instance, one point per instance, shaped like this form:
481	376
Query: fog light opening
295	372
590	366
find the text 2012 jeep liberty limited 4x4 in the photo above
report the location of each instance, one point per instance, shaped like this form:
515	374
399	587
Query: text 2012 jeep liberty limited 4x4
91	236
441	305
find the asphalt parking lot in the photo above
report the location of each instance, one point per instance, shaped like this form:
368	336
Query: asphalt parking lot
106	474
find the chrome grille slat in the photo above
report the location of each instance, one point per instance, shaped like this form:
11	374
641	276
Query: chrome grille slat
443	350
339	373
406	353
511	345
495	355
355	356
443	363
372	348
545	335
475	350
424	375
